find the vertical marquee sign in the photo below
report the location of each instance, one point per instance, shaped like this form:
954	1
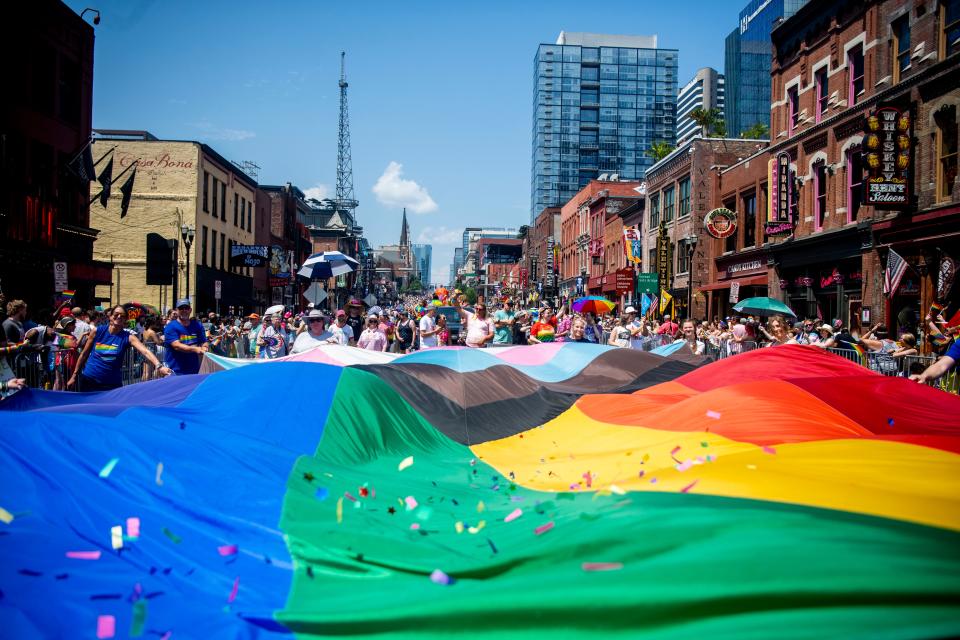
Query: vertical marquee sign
779	197
664	258
888	156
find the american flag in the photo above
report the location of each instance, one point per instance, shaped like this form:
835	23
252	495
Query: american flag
896	267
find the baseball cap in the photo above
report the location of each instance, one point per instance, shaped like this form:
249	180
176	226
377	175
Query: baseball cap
183	302
825	327
341	313
629	310
65	312
315	313
254	316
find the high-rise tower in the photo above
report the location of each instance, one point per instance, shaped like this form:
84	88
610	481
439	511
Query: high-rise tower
346	201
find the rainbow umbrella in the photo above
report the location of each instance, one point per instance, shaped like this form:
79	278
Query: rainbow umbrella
593	304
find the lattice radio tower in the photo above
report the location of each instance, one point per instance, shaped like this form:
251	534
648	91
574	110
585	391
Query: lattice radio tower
346	201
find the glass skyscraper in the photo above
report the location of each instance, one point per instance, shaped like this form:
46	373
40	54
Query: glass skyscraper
747	59
599	102
423	262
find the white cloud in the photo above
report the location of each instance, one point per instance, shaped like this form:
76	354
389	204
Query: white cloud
440	236
210	132
394	191
318	191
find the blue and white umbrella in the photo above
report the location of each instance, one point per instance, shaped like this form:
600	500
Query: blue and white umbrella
327	264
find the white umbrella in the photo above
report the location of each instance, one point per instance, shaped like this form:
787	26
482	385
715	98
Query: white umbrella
327	264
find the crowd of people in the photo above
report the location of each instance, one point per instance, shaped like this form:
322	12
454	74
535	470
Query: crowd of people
87	350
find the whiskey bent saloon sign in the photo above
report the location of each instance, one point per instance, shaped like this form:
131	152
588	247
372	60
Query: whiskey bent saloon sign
888	157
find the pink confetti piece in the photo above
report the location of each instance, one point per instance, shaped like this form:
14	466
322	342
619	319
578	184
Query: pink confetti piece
133	527
689	486
686	464
602	566
414	526
513	515
673	451
713	414
640	475
346	494
233	592
84	555
770	450
574	487
228	550
411	503
543	528
653	481
439	577
106	626
589	478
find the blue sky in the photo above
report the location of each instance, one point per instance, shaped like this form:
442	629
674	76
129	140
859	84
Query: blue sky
440	93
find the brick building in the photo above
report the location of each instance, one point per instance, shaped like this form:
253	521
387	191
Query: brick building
542	237
681	189
582	232
45	122
835	64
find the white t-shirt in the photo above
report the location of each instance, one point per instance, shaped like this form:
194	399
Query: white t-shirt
428	324
305	341
697	351
636	342
342	335
477	329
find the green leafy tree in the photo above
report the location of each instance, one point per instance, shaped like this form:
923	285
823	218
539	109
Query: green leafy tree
659	150
414	286
757	131
704	118
719	129
471	294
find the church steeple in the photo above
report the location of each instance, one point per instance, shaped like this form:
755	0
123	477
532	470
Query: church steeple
405	237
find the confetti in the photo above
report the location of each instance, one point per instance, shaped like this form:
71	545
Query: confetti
713	414
170	534
752	467
364	492
476	529
458	526
414	526
339	510
686	464
133	528
322	493
159	480
5	516
106	627
480	507
108	468
589	478
673	451
411	503
689	486
139	618
770	450
617	490
513	515
83	555
233	592
890	421
116	537
640	475
439	577
228	550
704	444
602	566
406	462
543	528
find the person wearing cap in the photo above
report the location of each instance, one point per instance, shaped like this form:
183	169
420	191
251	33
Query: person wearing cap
186	341
428	328
273	339
503	323
100	365
315	335
372	338
940	367
638	328
406	332
355	317
251	330
342	332
668	327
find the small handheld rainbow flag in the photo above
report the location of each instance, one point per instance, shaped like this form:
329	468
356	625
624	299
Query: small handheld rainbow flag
68	293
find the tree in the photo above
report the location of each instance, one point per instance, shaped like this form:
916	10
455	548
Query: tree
414	286
720	128
659	150
471	295
757	131
704	118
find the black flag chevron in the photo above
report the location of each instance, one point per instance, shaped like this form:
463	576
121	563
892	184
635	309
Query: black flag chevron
127	189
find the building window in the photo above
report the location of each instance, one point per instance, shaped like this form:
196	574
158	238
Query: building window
223	202
213	249
249	216
684	197
901	45
793	105
820	194
206	190
949	27
854	183
215	197
203	246
229	253
668	204
236	210
749	220
223	244
855	74
683	257
822	92
946	145
654	211
730	242
652	261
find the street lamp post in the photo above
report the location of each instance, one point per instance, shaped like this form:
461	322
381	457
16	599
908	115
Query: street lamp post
691	250
187	233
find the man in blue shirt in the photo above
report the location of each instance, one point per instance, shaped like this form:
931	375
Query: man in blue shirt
941	366
186	341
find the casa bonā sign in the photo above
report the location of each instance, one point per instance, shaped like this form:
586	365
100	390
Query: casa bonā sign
888	157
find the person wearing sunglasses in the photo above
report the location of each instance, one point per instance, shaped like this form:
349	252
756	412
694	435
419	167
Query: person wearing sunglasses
315	335
479	327
100	365
186	341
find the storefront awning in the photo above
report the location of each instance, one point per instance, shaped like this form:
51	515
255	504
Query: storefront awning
744	282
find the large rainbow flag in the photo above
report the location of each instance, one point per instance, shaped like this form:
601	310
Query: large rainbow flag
554	491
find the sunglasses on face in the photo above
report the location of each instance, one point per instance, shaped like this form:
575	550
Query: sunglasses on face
118	314
314	320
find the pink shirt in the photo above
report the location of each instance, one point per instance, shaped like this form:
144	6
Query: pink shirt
373	340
